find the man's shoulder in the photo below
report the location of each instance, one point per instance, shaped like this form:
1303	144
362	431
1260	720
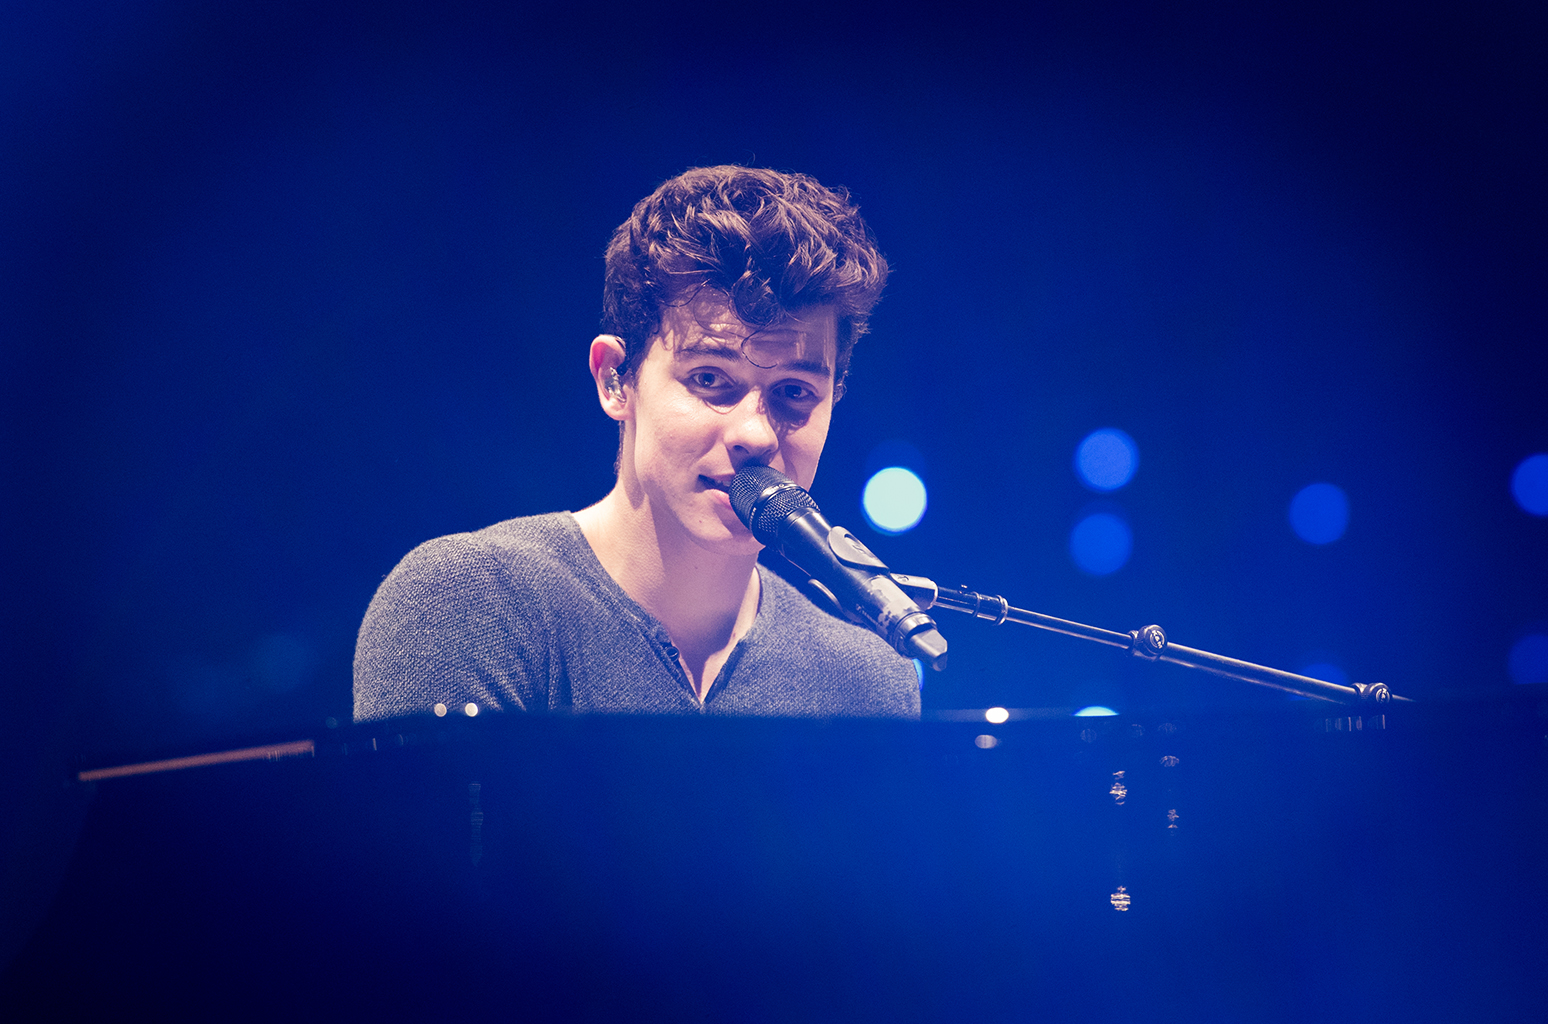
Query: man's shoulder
552	534
528	562
468	617
525	545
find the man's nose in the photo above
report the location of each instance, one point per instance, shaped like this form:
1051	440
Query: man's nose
751	429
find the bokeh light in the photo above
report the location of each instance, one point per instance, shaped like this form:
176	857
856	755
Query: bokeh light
996	716
1106	459
1095	711
1319	513
1327	672
281	662
894	500
1529	659
1100	543
1529	484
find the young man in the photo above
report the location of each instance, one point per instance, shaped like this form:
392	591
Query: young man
732	301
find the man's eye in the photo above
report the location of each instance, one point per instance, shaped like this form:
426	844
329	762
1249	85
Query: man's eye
706	379
796	393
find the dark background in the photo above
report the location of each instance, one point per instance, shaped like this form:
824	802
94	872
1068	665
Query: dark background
291	287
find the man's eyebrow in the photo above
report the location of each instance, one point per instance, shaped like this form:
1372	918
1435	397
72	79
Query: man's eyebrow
733	350
712	347
817	366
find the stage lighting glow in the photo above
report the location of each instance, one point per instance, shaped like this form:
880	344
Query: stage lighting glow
1100	543
919	671
1327	672
1529	659
1095	711
996	716
470	709
440	711
1529	483
1319	513
985	741
894	500
1106	459
281	662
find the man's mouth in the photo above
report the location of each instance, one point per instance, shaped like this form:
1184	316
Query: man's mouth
716	484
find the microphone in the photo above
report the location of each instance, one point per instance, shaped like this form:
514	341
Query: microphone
784	517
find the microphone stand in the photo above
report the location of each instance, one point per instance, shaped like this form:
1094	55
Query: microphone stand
1149	643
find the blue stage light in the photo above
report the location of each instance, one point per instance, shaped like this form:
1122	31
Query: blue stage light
1319	513
894	500
1529	484
281	662
1327	672
1529	659
1100	543
1095	711
1106	459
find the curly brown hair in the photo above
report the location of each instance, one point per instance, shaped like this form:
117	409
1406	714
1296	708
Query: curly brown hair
775	243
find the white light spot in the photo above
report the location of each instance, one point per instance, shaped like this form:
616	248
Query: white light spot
894	500
440	711
1319	513
996	716
1106	459
470	709
985	741
1101	543
1529	484
1095	711
1529	659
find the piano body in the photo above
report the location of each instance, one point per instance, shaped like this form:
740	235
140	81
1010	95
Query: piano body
1314	863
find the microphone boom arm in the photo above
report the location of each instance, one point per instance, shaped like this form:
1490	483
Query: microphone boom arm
1149	643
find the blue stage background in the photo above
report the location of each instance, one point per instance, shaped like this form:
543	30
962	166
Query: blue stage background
291	287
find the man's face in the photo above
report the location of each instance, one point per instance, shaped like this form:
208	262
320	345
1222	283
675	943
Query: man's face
712	395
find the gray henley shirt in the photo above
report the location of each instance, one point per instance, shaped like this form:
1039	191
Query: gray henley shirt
521	616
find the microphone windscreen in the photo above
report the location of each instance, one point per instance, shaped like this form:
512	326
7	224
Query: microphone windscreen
763	498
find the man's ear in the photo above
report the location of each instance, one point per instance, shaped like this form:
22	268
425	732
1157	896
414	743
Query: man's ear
607	355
